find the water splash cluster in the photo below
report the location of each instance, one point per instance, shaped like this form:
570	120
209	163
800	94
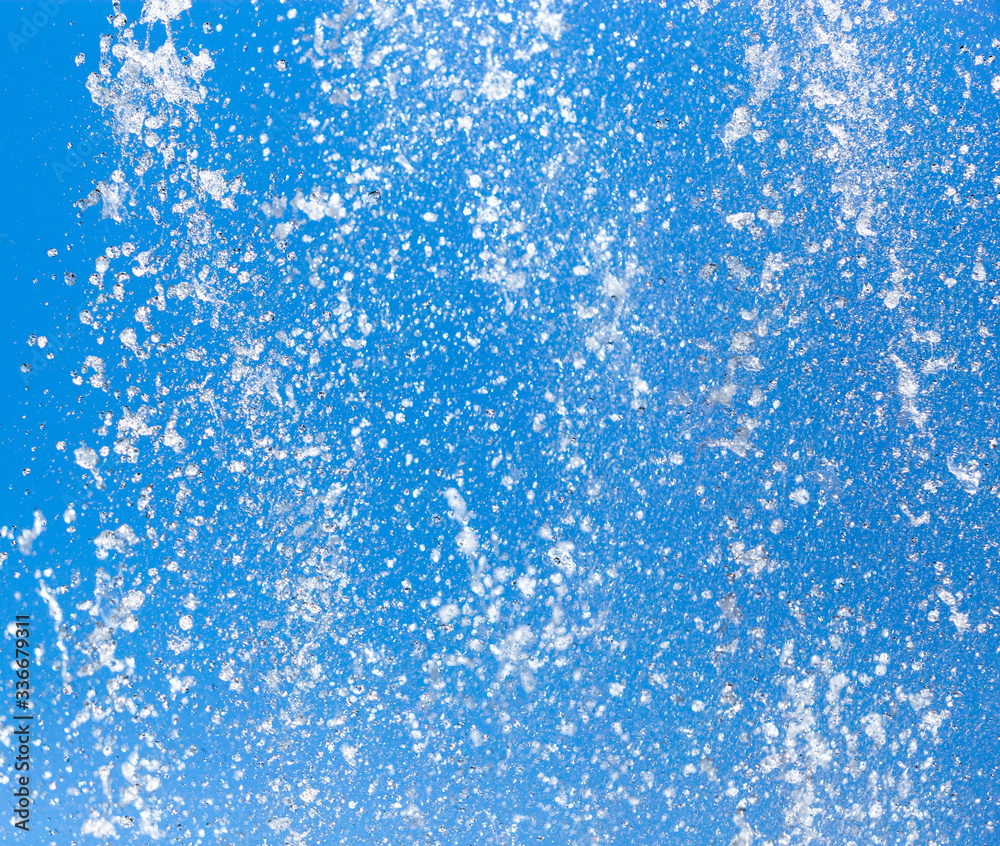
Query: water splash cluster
542	423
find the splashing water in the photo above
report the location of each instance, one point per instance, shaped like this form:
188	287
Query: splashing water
541	423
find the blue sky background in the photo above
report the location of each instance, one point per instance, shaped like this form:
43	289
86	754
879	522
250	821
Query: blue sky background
528	423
